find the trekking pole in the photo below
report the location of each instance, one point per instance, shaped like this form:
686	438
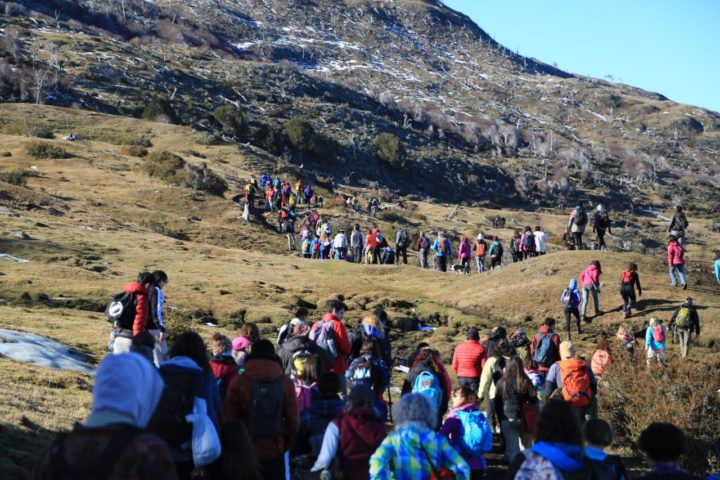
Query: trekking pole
390	402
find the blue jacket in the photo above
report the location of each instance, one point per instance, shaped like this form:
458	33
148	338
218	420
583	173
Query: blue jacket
575	298
436	246
717	270
207	386
650	341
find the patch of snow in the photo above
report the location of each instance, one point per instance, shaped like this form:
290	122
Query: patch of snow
597	115
41	351
14	259
244	45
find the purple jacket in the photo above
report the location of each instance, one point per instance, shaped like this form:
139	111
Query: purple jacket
452	430
464	250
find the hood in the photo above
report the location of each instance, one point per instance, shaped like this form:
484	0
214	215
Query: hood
129	385
562	455
180	364
365	424
413	433
572	284
544	329
262	369
297	343
135	287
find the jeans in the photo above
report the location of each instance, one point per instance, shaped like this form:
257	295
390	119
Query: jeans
357	253
601	238
480	262
495	262
160	352
586	291
568	312
516	441
424	258
577	239
684	341
465	262
401	251
441	263
680	272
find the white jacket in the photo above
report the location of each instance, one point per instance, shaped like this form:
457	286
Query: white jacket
340	241
540	241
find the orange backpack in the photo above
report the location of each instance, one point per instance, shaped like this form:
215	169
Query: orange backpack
480	248
575	382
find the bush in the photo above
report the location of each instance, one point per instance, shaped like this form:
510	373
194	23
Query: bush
134	150
140	142
233	121
168	167
159	109
204	179
269	137
15	177
39	132
45	150
301	134
207	139
390	150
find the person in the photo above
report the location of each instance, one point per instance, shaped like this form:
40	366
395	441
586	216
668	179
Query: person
627	339
495	252
240	350
601	357
664	444
300	316
590	281
325	246
289	227
139	290
264	399
113	441
372	327
513	392
468	359
251	331
325	405
676	261
628	281
304	375
655	341
521	343
237	460
356	243
330	335
489	378
601	224
464	403
464	254
515	248
401	242
144	344
687	321
388	256
678	224
492	340
527	243
717	266
576	225
187	375
545	346
369	369
481	251
340	244
530	368
598	436
221	361
414	451
541	239
422	245
570	299
294	351
574	379
353	437
443	251
426	376
156	325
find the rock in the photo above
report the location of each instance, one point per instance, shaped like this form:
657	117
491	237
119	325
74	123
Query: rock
224	292
55	212
21	235
41	225
304	303
6	154
8	211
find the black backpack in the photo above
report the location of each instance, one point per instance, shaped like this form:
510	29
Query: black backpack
177	400
120	310
582	219
264	419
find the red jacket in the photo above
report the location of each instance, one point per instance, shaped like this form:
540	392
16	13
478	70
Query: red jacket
224	369
468	358
238	406
142	309
361	433
675	253
543	330
342	343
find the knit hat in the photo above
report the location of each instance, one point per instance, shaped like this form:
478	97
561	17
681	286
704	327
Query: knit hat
567	350
241	343
262	349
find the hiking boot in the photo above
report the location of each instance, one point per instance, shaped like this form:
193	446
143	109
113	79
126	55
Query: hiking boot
580	331
685	286
584	318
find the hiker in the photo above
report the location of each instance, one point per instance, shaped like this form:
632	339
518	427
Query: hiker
304	375
491	341
558	450
124	332
325	245
340	244
627	339
570	300
489	378
325	405
331	336
601	357
481	251
576	225
575	380
541	239
520	342
598	436
628	280
357	243
289	227
678	224
264	399
156	300
717	266
601	224
530	368
527	243
515	246
296	349
468	431
443	251
251	331
437	361
414	450
422	245
664	444
221	362
308	193
240	350
513	394
306	246
372	326
468	359
495	252
300	316
590	281
187	375
388	256
464	254
426	376
545	346
401	242
686	320
676	261
237	460
113	441
144	344
370	370
655	341
353	437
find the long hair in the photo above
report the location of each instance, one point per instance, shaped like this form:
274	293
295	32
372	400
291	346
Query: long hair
189	344
597	264
238	460
428	354
251	331
515	370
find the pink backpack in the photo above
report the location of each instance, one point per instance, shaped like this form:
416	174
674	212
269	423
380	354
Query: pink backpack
303	394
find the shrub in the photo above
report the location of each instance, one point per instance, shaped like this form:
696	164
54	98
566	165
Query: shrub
140	142
45	150
208	138
159	109
270	137
233	121
301	134
134	150
15	177
390	150
167	166
204	179
39	132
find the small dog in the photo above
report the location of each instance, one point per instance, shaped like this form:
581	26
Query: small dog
458	269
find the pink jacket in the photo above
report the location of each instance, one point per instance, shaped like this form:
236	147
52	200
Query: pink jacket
590	276
675	253
464	250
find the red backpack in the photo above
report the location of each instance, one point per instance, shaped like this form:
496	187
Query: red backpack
659	334
626	277
575	382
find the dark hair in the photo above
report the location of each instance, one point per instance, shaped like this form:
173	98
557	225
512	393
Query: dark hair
632	267
238	459
558	423
250	330
662	442
603	344
160	276
529	363
537	228
473	334
465	391
189	344
262	349
328	384
678	208
301	312
549	322
598	432
514	369
717	254
503	349
360	396
144	278
597	264
370	346
144	344
334	305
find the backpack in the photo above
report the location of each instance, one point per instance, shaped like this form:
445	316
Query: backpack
476	433
659	334
364	372
428	384
480	249
627	277
403	239
324	337
529	241
575	383
581	219
683	319
303	396
442	244
566	298
535	466
425	244
545	354
265	417
177	400
120	310
380	239
498	369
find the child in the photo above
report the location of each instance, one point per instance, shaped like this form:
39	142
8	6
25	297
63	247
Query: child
304	378
240	347
628	280
627	338
464	399
570	299
598	436
655	336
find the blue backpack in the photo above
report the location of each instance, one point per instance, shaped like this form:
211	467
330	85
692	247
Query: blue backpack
427	384
544	351
477	436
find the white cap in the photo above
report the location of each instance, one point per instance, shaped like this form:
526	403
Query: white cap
599	208
480	237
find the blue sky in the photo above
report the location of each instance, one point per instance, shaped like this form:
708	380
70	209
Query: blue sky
665	46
